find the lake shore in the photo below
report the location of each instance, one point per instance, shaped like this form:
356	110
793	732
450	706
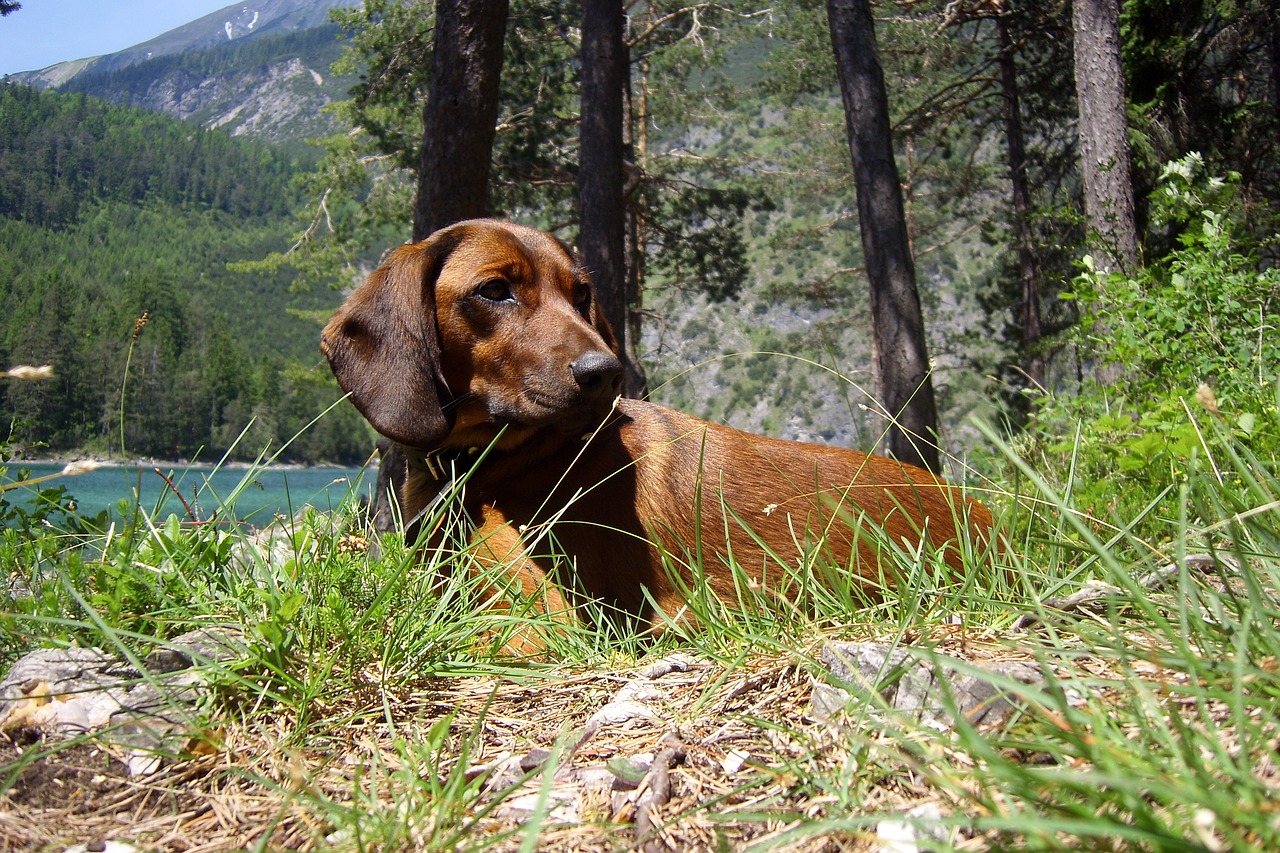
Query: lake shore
180	464
257	493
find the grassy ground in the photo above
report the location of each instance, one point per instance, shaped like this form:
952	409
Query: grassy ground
367	718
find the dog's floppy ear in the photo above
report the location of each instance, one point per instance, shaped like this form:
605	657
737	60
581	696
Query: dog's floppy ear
384	346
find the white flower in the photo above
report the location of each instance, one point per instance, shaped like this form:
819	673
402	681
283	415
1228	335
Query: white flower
26	371
80	466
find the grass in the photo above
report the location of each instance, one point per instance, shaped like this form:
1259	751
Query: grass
366	716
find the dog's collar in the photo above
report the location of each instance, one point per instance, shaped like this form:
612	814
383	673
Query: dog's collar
444	464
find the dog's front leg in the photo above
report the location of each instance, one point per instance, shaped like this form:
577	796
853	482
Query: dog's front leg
517	585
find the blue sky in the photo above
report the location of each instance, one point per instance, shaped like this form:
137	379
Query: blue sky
44	32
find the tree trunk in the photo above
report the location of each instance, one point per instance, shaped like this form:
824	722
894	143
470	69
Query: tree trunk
899	360
461	113
1273	55
459	124
602	237
1104	133
637	143
1032	332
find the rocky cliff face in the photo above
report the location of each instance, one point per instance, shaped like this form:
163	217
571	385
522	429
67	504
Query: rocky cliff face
277	102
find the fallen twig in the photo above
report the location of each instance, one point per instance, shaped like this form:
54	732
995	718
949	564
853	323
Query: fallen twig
657	792
1098	591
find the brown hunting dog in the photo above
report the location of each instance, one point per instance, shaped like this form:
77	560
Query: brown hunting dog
489	333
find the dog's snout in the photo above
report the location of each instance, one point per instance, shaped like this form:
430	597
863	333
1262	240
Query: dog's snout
597	373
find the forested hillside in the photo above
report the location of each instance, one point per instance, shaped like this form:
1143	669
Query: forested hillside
59	153
110	215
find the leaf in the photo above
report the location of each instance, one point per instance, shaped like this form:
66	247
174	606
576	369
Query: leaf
270	632
290	607
627	769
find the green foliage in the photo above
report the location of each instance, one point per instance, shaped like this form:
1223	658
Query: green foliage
1204	313
44	505
780	136
389	45
37	536
1156	728
1187	342
210	358
696	237
362	190
1199	78
1153	724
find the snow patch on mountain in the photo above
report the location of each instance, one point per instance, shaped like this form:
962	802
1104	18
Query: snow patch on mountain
242	23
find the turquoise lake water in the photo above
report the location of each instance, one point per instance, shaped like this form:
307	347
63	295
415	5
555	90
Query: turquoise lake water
255	496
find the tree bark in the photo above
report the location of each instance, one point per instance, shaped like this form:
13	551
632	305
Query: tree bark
1107	168
459	124
461	113
1273	55
1032	331
602	237
900	362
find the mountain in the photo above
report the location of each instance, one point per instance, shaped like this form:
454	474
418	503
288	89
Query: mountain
259	68
237	21
116	215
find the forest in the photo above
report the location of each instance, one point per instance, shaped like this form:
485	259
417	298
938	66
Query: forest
63	152
110	215
745	281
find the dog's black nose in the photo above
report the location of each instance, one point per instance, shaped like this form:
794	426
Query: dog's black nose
598	374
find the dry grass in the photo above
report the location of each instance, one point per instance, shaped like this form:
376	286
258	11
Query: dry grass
482	757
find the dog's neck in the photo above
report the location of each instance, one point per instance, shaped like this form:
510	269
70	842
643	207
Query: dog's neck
443	469
444	464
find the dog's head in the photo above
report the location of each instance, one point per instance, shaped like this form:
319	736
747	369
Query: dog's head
481	325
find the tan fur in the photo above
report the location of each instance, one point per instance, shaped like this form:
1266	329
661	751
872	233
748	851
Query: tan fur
435	364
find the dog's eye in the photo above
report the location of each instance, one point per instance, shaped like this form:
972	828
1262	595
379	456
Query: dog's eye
495	290
582	298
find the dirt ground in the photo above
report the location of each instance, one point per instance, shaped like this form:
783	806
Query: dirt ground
700	757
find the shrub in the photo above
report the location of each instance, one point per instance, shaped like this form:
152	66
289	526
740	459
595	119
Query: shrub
1189	341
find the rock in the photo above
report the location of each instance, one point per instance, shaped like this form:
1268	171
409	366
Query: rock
928	687
59	668
197	647
918	830
65	690
641	698
619	785
734	760
149	713
103	847
619	712
678	662
560	803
